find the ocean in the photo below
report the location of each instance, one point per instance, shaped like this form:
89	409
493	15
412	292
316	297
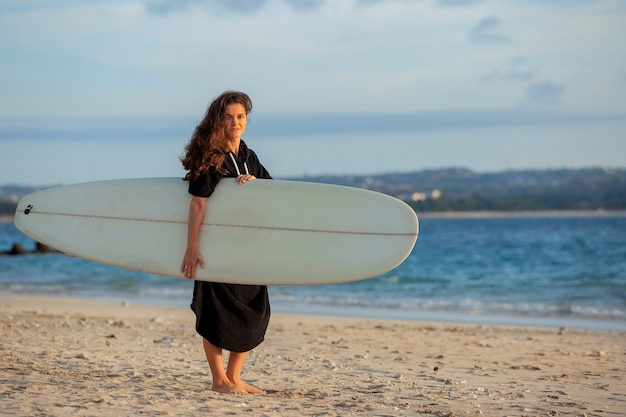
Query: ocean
563	271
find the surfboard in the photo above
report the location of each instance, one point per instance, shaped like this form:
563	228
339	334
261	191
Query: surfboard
269	232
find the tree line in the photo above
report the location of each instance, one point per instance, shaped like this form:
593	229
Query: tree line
477	202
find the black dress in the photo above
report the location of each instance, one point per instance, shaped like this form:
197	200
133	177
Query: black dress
231	316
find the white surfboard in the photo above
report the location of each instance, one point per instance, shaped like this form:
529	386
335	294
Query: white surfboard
268	232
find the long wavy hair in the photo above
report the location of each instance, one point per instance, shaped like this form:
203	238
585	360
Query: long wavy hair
209	143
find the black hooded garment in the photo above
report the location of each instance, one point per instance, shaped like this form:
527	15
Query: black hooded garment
231	316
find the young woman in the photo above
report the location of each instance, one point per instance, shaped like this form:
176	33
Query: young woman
228	317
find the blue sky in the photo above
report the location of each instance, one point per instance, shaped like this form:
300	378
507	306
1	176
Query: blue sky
113	89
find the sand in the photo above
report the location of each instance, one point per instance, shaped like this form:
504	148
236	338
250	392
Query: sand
71	357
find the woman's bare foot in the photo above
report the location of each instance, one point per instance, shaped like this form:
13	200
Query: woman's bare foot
228	388
252	390
240	389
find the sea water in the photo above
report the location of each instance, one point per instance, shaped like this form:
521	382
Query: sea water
554	271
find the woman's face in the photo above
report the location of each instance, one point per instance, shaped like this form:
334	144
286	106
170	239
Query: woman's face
236	120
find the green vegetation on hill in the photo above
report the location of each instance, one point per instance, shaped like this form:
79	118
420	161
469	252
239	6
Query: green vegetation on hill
477	202
458	189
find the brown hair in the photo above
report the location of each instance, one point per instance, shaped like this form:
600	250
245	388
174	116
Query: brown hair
208	145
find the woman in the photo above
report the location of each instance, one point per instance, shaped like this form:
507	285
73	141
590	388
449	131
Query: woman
229	317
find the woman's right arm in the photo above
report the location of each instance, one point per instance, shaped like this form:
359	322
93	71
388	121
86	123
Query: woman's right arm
193	257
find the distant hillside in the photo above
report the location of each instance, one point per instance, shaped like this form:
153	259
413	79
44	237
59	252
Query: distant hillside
459	189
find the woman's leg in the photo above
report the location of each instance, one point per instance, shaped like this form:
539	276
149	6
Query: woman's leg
221	382
228	381
235	364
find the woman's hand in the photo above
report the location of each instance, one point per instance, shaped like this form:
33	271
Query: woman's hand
192	258
244	178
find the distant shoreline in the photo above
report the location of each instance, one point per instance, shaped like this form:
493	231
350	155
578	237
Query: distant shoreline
538	213
488	214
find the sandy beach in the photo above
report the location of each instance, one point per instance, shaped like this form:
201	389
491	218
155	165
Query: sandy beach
63	356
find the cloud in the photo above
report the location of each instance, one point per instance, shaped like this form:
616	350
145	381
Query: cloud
512	75
370	2
165	7
305	4
456	2
545	92
292	125
486	31
246	7
277	125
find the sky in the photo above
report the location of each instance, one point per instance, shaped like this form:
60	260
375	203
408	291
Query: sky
113	89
